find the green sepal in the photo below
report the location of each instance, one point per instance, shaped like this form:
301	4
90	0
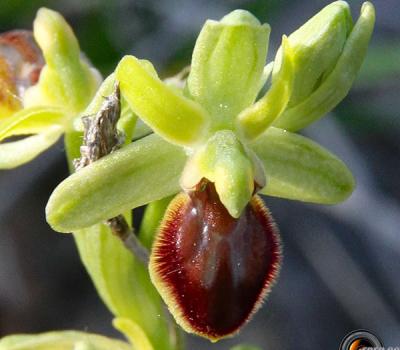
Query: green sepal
298	168
224	161
227	65
61	340
31	121
139	173
66	80
334	84
254	120
16	153
166	111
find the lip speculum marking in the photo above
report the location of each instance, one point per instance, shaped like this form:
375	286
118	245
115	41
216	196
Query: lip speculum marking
213	270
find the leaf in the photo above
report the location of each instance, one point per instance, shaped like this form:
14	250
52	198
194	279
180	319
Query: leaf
13	154
124	284
134	333
166	111
61	340
255	119
227	65
139	173
337	84
31	121
298	168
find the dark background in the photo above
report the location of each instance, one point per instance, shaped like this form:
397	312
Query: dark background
341	269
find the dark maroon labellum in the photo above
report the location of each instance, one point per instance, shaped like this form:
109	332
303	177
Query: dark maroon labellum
213	270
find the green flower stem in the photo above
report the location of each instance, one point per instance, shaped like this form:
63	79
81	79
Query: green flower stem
152	217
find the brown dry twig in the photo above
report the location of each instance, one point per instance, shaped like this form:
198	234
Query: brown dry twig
101	137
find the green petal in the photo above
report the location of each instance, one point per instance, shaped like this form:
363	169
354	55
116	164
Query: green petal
254	120
335	86
298	168
62	340
124	284
134	333
16	153
31	121
169	113
66	80
142	172
227	65
224	161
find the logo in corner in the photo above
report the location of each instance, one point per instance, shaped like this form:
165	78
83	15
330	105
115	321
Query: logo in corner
361	339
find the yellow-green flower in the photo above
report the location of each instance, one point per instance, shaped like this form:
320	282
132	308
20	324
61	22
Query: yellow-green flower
220	142
219	106
65	87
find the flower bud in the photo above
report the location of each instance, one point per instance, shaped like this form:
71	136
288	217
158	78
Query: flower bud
327	55
316	46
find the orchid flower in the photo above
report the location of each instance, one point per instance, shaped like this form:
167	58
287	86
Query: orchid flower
43	103
219	142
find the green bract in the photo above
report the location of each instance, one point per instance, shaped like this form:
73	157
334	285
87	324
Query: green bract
225	131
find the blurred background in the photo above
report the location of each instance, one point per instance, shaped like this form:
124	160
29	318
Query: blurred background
341	268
